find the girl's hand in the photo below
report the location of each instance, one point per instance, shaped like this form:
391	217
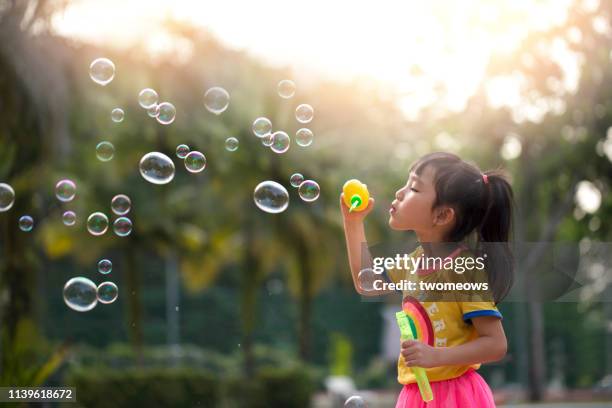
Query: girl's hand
354	216
417	354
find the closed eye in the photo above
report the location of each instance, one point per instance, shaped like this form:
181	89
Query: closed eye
414	189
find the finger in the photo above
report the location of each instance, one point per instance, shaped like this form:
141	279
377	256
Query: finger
409	343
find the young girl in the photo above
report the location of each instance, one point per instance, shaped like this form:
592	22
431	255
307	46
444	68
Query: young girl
449	204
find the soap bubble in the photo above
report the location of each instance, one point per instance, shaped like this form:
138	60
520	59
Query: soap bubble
122	226
303	137
105	151
304	113
309	190
366	278
147	98
117	115
231	144
69	218
153	111
80	294
107	292
156	168
216	100
7	197
280	142
355	402
65	190
167	113
105	266
26	223
271	197
267	140
97	224
262	127
195	162
182	151
296	179
286	88
102	71
121	204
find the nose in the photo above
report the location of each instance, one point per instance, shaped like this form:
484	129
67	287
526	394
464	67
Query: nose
399	194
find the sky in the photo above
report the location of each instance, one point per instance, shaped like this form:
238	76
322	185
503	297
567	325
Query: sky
447	42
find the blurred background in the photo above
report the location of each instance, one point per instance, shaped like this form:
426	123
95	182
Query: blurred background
222	304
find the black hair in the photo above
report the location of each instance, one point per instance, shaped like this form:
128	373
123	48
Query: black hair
482	205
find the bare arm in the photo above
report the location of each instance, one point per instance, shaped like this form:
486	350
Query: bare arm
491	345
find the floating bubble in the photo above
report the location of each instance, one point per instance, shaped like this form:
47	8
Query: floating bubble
69	218
262	127
122	226
65	190
271	197
156	168
355	402
147	98
366	278
102	71
182	151
117	115
304	137
105	266
7	197
167	113
216	100
80	294
195	162
26	223
97	224
121	204
107	292
267	140
280	142
153	111
286	88
105	151
296	179
304	113
309	190
231	144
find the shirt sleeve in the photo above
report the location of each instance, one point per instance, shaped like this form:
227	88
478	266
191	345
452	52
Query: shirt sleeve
478	309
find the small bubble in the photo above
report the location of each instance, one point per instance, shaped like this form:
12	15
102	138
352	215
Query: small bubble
286	88
105	151
102	71
231	144
117	115
147	98
216	100
26	223
304	113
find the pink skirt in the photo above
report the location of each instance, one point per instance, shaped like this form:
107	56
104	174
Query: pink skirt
469	390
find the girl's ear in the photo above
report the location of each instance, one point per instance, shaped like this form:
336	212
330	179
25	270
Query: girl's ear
443	215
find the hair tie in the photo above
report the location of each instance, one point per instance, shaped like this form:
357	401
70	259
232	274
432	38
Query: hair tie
485	178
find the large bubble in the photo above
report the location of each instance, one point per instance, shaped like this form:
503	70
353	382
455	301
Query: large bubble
280	142
121	204
7	197
216	100
262	127
271	197
65	190
107	292
97	223
195	162
105	151
304	137
304	113
117	115
167	113
309	190
156	168
147	98
286	88
122	226
102	71
80	294
26	223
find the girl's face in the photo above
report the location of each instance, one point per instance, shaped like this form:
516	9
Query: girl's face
411	209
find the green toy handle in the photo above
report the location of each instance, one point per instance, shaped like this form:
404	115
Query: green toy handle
419	372
355	202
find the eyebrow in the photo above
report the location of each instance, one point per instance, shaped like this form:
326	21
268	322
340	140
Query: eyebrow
416	178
